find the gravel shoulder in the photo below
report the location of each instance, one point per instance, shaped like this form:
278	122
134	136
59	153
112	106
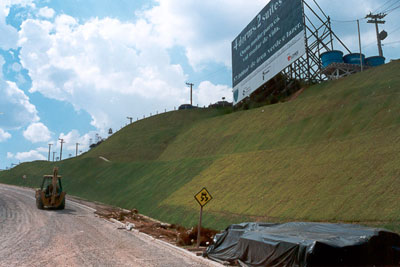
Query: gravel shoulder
76	237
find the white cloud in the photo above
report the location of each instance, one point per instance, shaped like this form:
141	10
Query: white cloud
10	155
29	156
206	33
15	106
10	41
42	149
208	93
4	135
74	137
11	33
37	132
109	68
46	12
113	69
6	4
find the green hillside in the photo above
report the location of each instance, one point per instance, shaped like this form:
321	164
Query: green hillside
329	155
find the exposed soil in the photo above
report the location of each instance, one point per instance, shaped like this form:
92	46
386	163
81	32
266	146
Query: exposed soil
171	233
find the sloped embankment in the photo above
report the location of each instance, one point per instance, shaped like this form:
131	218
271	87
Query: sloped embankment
329	155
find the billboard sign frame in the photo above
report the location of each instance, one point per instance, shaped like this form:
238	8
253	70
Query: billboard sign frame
273	40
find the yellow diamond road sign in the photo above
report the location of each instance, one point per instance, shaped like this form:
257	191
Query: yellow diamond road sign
203	197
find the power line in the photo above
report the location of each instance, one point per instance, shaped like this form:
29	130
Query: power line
395	30
209	74
391	6
391	10
395	42
376	10
387	10
347	21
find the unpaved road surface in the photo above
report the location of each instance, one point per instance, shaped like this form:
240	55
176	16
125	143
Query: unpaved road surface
75	237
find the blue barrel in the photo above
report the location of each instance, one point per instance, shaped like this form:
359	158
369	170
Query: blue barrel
375	61
354	58
334	56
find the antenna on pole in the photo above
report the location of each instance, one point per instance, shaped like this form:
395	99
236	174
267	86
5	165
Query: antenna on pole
191	89
377	19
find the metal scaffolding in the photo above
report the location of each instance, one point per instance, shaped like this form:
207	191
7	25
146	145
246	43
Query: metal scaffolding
319	38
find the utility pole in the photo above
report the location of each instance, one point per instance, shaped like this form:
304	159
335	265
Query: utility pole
359	44
62	142
76	153
130	119
49	151
191	89
377	19
53	155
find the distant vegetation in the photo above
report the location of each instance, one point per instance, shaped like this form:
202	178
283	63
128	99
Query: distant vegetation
332	154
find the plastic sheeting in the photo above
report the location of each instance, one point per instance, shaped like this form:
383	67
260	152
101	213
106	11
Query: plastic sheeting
305	244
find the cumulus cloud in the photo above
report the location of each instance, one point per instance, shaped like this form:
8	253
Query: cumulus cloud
109	68
207	33
113	69
37	132
10	41
46	12
6	30
29	156
4	135
208	93
42	149
10	155
74	137
15	107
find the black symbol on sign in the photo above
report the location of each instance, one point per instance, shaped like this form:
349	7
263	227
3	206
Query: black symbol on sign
204	196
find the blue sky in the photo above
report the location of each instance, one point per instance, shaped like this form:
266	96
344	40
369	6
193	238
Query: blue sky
72	69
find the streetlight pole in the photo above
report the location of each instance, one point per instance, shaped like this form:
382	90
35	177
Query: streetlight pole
49	151
62	142
191	92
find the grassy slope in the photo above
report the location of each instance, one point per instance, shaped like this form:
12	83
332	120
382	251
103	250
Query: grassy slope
330	155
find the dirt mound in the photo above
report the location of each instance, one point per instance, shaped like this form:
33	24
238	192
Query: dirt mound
171	233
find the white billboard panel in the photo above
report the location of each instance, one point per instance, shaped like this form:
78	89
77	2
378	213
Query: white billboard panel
273	40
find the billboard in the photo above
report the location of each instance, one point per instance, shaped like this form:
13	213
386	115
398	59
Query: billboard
273	40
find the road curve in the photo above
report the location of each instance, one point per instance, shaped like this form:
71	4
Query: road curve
75	237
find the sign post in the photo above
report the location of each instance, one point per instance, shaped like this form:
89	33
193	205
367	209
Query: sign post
202	197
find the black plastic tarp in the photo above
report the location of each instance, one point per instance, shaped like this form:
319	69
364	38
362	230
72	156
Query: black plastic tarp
305	244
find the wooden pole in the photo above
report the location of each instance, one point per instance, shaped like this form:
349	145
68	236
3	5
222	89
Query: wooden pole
199	227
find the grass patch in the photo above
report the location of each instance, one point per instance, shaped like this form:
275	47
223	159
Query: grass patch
329	155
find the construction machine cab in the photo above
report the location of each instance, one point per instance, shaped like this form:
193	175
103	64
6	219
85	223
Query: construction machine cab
51	192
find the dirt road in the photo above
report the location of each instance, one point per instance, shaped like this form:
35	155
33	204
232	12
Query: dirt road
75	237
